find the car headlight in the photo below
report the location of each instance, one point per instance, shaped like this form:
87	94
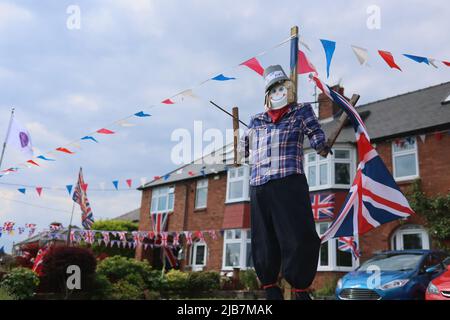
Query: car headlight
394	284
339	284
432	289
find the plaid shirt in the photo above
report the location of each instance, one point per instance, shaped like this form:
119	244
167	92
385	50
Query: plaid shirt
275	150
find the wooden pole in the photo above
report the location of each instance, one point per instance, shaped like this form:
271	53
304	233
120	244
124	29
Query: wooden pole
341	122
235	133
294	59
7	136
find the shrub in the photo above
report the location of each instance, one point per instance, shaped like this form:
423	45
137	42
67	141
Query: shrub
21	282
124	290
249	280
5	295
177	280
124	273
203	281
101	288
56	262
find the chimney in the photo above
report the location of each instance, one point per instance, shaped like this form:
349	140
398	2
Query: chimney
327	109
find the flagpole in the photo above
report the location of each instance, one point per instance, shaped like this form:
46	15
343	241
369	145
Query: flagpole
7	136
71	216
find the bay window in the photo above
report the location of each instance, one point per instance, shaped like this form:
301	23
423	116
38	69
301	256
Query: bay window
330	257
334	171
237	249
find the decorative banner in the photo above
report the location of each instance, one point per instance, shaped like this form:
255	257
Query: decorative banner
105	131
329	47
39	190
417	58
44	158
129	181
142	114
254	64
422	137
361	54
221	77
387	56
446	63
65	150
22	190
89	138
167	101
304	65
116	184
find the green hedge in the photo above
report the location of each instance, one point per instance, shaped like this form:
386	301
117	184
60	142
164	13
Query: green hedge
21	283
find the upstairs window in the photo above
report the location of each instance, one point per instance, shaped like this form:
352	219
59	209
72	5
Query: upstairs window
162	199
238	182
201	194
404	159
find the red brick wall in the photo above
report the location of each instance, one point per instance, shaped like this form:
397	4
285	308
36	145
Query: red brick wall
210	218
326	107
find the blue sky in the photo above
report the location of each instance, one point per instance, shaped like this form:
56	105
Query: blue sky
129	55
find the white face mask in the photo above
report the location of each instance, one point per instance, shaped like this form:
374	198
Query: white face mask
278	96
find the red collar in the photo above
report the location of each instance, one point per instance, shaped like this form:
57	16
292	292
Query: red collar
276	115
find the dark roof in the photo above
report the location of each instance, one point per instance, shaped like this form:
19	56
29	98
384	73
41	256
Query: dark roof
132	216
196	169
413	112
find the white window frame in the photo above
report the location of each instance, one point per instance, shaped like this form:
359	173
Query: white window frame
159	192
245	178
395	154
201	184
243	241
193	255
397	237
332	257
330	160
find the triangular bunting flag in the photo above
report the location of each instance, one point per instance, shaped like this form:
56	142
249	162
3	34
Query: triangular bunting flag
33	163
142	114
69	189
22	190
389	59
39	190
116	184
422	137
105	131
44	158
65	150
89	138
129	181
254	64
361	54
417	58
329	47
446	63
304	65
167	101
221	77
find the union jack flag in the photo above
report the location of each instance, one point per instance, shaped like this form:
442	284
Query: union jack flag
175	239
159	221
188	236
374	197
164	236
80	197
322	206
122	235
349	244
8	226
89	236
170	256
106	237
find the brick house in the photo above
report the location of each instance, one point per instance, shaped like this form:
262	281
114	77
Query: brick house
409	131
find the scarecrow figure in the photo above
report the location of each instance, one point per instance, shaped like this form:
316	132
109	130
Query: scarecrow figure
283	231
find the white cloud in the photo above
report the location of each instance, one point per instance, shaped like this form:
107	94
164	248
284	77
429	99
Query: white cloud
12	14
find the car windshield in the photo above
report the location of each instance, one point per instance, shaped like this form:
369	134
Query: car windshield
392	262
